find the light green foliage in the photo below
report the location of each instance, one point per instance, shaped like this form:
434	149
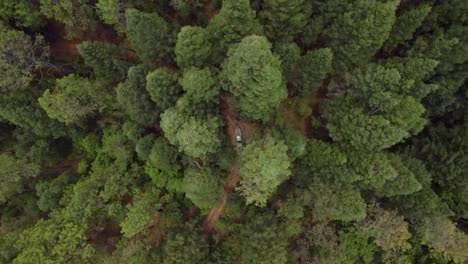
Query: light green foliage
234	21
388	230
50	192
19	57
186	245
313	67
194	136
119	182
149	34
253	74
62	236
140	212
356	247
264	240
71	101
14	175
360	31
444	236
264	165
133	97
163	87
76	15
331	201
289	54
192	47
22	13
112	12
199	137
199	86
406	24
284	19
203	187
50	241
107	60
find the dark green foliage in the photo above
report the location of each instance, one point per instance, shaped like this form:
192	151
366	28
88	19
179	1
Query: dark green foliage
76	15
313	68
364	132
253	74
336	202
163	87
235	21
22	13
14	174
105	161
192	47
406	24
356	247
22	110
284	19
20	55
289	54
203	187
264	240
444	152
358	33
107	60
113	13
133	97
148	33
186	245
199	86
50	192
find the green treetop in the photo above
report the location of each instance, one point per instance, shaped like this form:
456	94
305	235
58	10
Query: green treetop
264	165
134	98
149	34
358	33
203	187
192	47
253	74
234	21
163	87
283	19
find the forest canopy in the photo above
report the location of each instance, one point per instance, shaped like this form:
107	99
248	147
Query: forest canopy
235	131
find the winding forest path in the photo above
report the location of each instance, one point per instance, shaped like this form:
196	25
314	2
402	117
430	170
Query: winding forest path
231	123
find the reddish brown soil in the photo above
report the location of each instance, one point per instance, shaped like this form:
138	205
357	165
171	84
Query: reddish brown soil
107	238
154	233
64	49
231	122
60	167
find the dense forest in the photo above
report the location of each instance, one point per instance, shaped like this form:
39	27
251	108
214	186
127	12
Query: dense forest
235	131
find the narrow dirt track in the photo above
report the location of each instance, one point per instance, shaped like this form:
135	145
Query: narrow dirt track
231	122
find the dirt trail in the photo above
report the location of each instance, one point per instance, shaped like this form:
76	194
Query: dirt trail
231	122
